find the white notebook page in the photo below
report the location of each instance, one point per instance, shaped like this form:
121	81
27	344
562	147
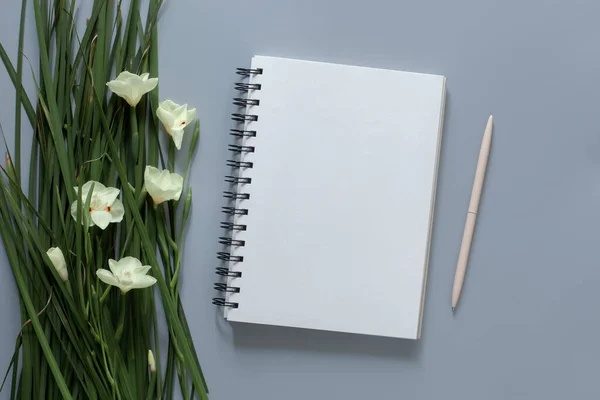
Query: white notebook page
342	195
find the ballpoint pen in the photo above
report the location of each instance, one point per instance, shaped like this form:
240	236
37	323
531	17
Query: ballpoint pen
463	255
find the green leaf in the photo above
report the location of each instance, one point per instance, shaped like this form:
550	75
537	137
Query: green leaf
170	308
68	347
19	91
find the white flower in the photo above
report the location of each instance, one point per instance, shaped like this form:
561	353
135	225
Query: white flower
175	118
57	257
162	186
132	87
104	205
151	362
126	274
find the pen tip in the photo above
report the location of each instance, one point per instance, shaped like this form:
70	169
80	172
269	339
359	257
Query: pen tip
491	118
453	308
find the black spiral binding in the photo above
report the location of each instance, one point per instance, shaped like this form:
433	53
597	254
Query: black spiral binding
240	134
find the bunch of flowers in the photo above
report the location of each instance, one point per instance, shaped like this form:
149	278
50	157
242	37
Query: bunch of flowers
96	233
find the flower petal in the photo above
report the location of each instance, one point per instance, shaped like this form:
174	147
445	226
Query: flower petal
180	114
130	263
125	281
168	105
108	195
177	185
164	179
155	192
122	89
124	288
124	75
101	218
57	258
143	281
117	211
85	214
115	267
143	270
139	88
150	84
151	173
191	114
107	277
169	194
88	186
177	135
166	118
74	210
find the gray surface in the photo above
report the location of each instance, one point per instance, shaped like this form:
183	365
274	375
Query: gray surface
528	325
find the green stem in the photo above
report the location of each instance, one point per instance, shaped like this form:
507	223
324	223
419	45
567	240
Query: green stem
19	93
170	306
175	280
171	161
151	386
121	326
135	136
156	343
39	331
105	294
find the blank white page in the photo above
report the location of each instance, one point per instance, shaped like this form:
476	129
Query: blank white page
341	199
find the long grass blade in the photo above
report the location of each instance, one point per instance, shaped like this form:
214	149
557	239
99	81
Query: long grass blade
75	343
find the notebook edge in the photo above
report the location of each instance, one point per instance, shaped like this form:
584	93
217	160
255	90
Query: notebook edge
432	207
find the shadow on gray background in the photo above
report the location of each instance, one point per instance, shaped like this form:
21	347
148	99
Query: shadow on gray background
256	336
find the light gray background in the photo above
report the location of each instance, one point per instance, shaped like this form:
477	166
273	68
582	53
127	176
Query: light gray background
528	325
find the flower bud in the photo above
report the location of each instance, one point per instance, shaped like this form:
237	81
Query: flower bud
151	362
58	260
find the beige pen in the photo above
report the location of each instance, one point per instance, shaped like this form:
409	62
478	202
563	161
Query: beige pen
465	247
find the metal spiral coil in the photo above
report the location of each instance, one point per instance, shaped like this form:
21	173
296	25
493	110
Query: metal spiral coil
219	301
244	117
221	287
226	272
239	164
230	226
234	211
238	179
246	87
241	102
224	256
241	133
236	195
231	242
248	71
236	148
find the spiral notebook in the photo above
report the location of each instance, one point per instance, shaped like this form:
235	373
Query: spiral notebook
330	209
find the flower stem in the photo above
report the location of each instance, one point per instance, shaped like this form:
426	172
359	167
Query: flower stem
135	136
171	160
121	326
156	344
151	386
105	294
175	280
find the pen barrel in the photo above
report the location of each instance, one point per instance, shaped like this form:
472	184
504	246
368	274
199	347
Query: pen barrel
465	248
484	154
463	257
